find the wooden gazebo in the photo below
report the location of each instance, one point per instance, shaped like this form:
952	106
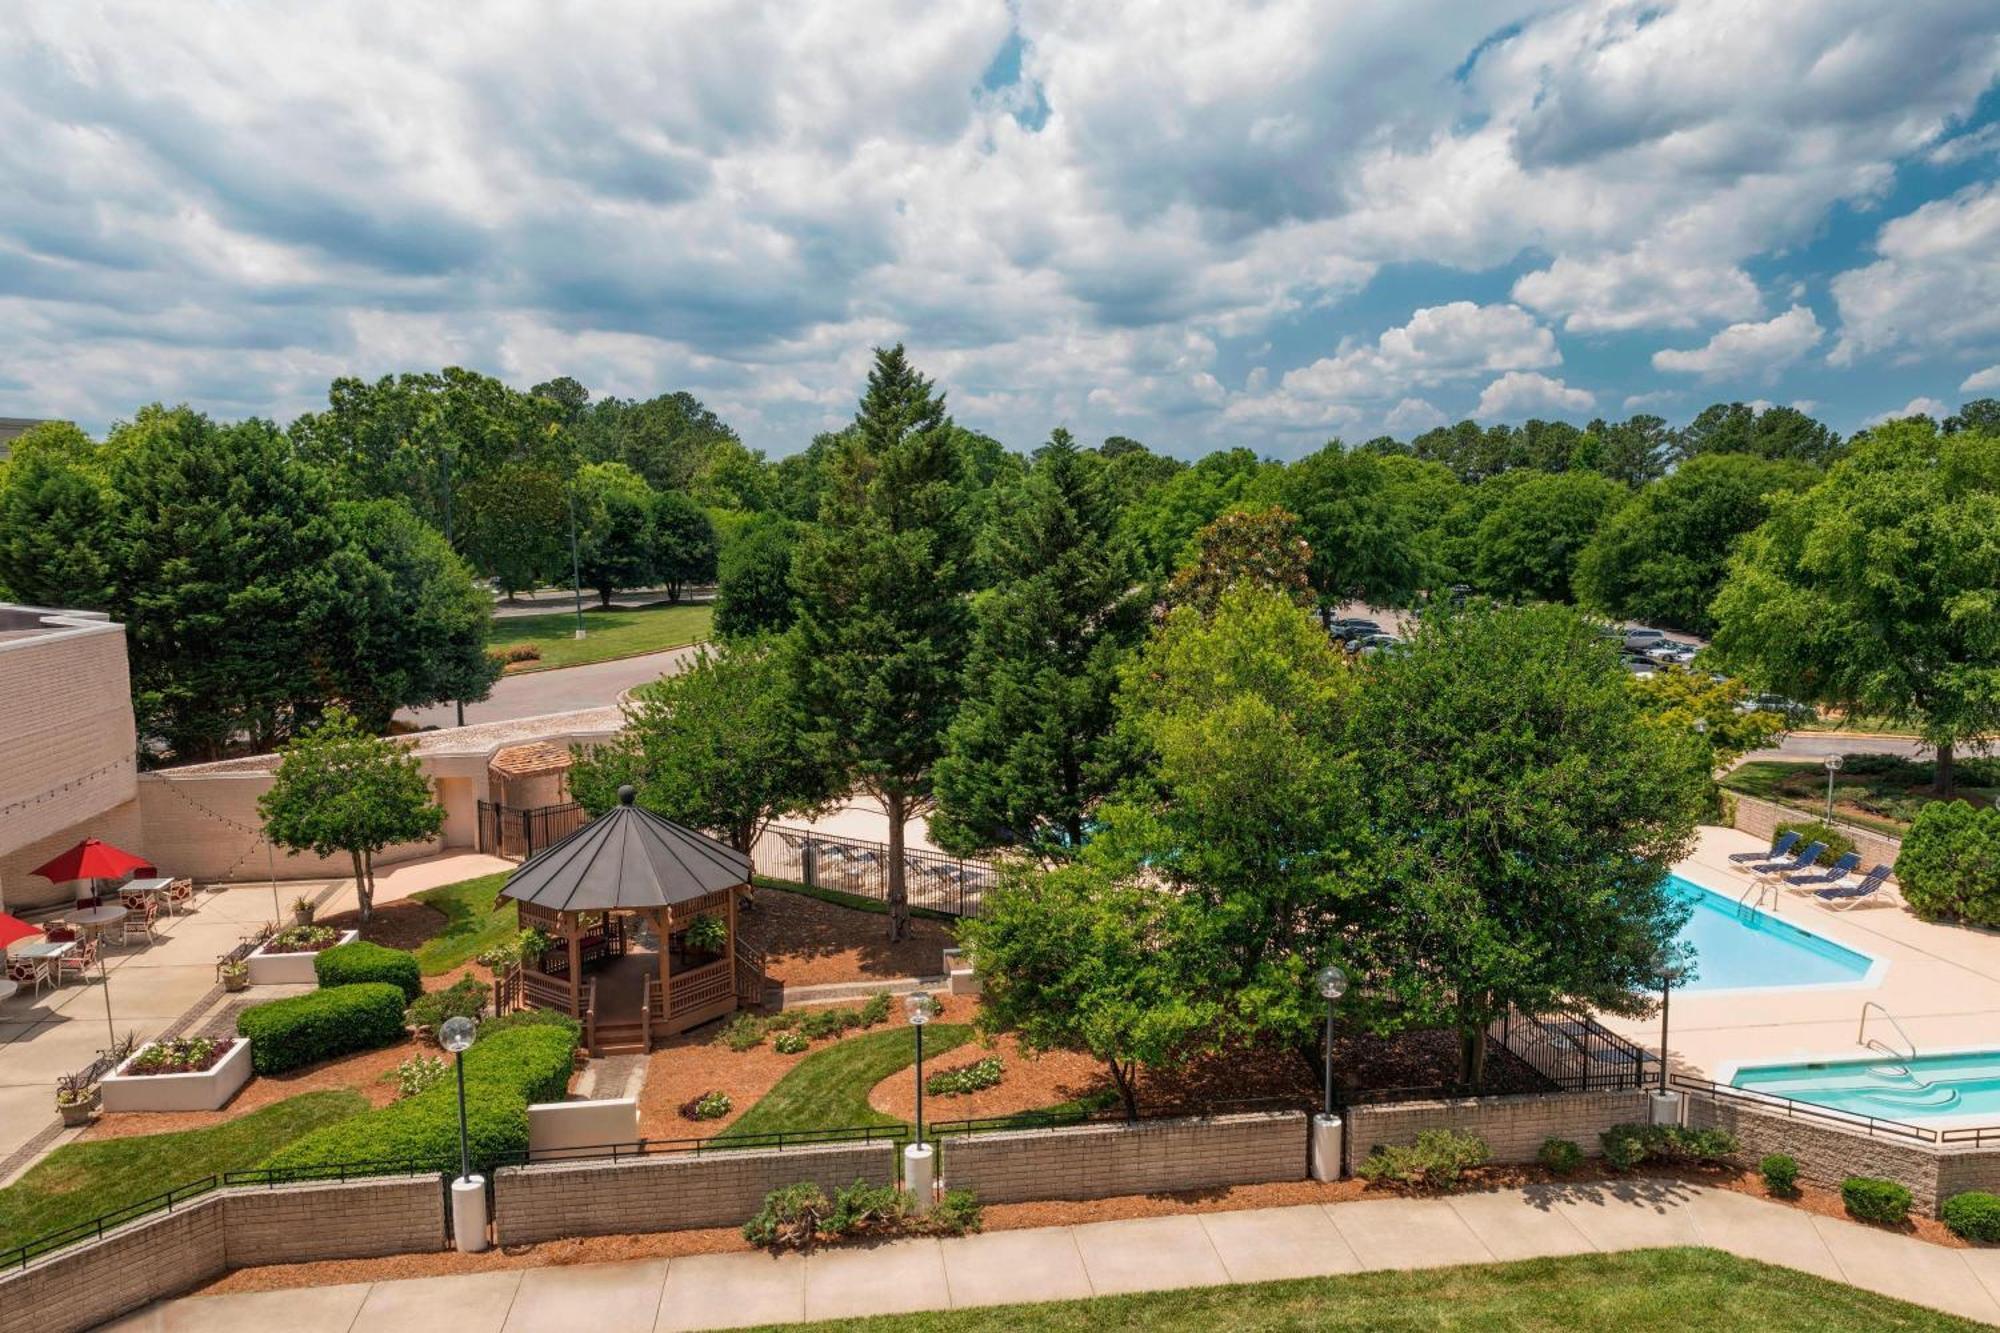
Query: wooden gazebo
595	893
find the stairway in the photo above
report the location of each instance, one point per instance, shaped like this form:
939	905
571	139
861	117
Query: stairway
621	1038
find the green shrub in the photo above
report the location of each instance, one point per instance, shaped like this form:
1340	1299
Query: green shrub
464	998
819	1024
1870	1199
504	1072
791	1216
1436	1160
744	1031
708	934
861	1208
799	1216
1626	1146
1838	844
301	939
789	1043
709	1106
534	1018
1950	863
1560	1155
1974	1215
955	1214
358	961
876	1010
306	1029
1780	1172
975	1077
419	1073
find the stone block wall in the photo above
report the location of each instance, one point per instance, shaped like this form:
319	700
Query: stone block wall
1513	1127
1762	818
1827	1152
90	1284
668	1191
356	1219
1103	1160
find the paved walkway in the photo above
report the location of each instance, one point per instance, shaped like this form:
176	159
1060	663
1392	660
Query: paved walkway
1106	1258
562	690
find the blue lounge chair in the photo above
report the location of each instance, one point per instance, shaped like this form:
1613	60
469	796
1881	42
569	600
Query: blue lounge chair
1803	861
1841	897
1833	874
1784	844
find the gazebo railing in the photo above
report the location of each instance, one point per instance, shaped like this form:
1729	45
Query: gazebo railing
704	986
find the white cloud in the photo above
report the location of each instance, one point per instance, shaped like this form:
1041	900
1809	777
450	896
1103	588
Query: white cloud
1936	285
1438	343
1413	416
1916	407
1743	350
1978	380
1641	289
1525	393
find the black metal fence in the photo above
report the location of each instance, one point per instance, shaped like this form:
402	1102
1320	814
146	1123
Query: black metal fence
777	1140
932	881
97	1227
1873	1126
519	832
1575	1052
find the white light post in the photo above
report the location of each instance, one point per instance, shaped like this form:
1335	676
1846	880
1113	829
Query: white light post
919	1162
468	1192
1331	983
1832	763
1666	1104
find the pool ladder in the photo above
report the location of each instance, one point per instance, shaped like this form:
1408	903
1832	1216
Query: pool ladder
1921	1092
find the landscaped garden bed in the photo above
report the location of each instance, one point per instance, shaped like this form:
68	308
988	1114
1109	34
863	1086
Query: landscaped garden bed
181	1074
815	937
287	958
1875	791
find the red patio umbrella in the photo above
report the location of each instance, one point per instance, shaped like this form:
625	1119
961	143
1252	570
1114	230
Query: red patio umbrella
13	930
94	859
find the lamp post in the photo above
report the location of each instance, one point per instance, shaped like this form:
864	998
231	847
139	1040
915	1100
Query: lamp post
468	1192
919	1166
1832	763
575	563
1666	1105
1331	983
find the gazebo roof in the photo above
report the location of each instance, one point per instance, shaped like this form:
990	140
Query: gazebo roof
628	858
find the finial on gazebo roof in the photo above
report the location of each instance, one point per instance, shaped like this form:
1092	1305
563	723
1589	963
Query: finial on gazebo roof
627	794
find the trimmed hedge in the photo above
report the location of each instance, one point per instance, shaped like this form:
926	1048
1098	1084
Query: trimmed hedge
1871	1199
1974	1215
1950	863
358	960
1838	844
306	1029
504	1072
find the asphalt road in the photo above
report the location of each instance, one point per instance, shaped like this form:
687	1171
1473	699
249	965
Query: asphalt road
1812	744
563	690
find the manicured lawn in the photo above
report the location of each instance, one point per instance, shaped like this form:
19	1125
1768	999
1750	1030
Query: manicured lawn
828	1089
1597	1293
475	921
1885	802
618	632
80	1181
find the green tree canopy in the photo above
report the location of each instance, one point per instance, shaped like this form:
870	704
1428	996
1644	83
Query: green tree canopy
1696	701
1772	432
1634	451
1529	543
1364	545
1661	558
339	789
513	525
882	622
753	590
666	440
1032	749
1878	590
1260	546
716	747
614	509
56	511
1524	811
682	542
1161	521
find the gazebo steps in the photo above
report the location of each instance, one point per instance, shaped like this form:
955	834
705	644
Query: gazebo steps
627	1038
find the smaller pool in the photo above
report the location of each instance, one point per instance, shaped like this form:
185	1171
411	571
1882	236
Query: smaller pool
1965	1084
1742	948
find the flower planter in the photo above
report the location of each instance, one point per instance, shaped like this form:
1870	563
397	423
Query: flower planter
77	1114
290	969
208	1090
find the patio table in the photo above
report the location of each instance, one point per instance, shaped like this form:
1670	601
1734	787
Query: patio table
7	988
44	948
95	919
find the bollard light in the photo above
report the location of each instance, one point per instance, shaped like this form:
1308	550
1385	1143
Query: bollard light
457	1036
1332	984
1832	763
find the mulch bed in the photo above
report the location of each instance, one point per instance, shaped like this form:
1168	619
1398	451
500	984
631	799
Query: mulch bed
693	1063
370	1073
405	924
1028	1083
807	942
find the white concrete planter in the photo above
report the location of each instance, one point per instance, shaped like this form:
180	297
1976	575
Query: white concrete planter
209	1090
290	969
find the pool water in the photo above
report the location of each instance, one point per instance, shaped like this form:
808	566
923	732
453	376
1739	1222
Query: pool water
1742	948
1887	1085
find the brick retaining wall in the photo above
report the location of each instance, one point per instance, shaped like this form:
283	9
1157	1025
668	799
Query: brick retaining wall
1100	1161
1513	1127
1761	819
356	1219
669	1191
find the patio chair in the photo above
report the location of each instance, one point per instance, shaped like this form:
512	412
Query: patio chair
180	896
1803	861
1784	844
1833	874
1843	896
138	922
80	961
30	972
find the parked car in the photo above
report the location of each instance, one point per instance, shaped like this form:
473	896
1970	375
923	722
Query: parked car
1792	710
1352	628
1638	639
1373	643
1642	668
1672	652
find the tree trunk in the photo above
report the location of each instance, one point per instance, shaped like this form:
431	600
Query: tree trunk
1472	1056
1128	1092
899	894
363	892
673	593
604	597
1944	775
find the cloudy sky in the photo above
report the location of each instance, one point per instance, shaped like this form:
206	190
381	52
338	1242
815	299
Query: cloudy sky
1201	224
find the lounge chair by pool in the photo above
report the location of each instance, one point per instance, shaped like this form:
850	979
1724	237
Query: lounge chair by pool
1784	844
1841	897
1803	861
1831	875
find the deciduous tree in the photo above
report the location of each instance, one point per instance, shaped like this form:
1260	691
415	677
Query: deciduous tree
682	541
753	589
1261	547
1363	544
1529	543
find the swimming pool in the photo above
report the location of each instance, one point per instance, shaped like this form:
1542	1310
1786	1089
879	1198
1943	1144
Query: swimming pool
1742	948
1886	1085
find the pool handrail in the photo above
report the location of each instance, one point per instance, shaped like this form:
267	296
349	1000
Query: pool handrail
1861	1031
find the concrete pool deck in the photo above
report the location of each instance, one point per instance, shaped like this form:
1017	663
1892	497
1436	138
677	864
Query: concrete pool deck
1941	983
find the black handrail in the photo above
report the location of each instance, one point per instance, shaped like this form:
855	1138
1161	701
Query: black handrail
1792	1108
724	1142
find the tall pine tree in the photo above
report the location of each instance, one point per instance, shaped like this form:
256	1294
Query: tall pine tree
1032	749
882	614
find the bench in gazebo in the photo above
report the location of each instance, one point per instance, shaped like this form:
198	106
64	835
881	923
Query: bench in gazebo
618	898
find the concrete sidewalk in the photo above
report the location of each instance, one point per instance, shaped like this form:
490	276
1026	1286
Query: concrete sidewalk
1107	1258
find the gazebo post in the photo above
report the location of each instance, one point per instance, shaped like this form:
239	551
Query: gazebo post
732	942
575	965
664	922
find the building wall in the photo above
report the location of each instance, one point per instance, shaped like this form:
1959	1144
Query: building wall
66	719
205	825
1102	1161
668	1191
1513	1127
